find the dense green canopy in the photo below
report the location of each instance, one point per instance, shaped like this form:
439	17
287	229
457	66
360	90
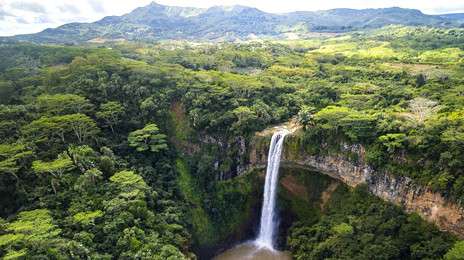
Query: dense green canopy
131	150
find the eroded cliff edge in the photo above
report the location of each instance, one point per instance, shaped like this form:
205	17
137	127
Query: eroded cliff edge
348	165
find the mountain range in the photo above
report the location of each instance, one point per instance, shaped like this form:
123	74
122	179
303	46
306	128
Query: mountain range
228	23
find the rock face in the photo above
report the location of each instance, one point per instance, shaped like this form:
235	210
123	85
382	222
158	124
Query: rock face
349	166
432	206
231	160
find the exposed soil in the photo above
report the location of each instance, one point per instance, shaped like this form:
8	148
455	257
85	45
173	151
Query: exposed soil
60	65
103	40
290	183
328	192
181	123
176	109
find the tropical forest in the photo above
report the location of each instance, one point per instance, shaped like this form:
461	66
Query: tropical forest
160	145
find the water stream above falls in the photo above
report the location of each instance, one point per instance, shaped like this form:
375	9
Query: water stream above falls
263	246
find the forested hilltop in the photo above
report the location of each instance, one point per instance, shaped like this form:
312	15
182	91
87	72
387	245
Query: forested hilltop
94	157
231	23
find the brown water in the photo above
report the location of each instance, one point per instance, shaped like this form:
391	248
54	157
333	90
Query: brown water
251	251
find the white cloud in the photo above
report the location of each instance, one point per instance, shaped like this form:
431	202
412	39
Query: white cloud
97	6
429	7
69	8
33	7
30	16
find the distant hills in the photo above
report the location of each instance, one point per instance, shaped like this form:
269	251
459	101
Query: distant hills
228	23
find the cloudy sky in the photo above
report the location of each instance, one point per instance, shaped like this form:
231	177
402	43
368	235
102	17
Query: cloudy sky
30	16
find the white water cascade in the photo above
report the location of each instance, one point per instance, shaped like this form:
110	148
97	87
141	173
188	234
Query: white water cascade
268	221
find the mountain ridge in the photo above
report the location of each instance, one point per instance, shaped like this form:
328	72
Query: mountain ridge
229	23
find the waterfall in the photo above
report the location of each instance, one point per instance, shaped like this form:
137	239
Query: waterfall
268	221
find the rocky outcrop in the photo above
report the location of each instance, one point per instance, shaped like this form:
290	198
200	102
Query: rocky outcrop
337	165
446	214
348	165
231	159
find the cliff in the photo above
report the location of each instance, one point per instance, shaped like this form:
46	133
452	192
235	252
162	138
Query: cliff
346	164
349	166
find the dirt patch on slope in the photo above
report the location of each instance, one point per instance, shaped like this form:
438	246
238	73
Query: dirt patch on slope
290	183
60	65
181	125
328	193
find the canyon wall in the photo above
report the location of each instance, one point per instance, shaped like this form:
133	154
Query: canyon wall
349	166
346	164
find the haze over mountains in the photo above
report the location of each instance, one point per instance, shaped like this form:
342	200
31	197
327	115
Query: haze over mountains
219	23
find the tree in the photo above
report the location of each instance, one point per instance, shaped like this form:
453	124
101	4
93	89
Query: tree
344	229
423	108
358	126
82	125
6	91
456	253
90	176
147	138
33	232
305	117
83	157
60	104
45	128
56	167
392	141
420	80
130	184
330	116
110	112
10	156
87	218
246	119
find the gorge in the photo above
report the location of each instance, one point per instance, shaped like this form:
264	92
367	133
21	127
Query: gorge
352	170
447	214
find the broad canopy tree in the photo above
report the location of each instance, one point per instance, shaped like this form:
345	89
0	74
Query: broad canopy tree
46	128
148	138
10	157
110	113
60	104
32	233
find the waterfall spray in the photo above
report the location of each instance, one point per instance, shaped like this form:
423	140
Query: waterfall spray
268	221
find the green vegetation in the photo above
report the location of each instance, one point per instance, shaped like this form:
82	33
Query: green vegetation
147	138
338	222
357	225
104	143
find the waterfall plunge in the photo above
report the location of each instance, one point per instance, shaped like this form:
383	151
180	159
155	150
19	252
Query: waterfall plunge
268	221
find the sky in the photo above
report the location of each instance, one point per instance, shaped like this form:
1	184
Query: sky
31	16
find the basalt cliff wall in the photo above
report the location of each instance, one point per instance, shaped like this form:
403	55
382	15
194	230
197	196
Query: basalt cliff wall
348	165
